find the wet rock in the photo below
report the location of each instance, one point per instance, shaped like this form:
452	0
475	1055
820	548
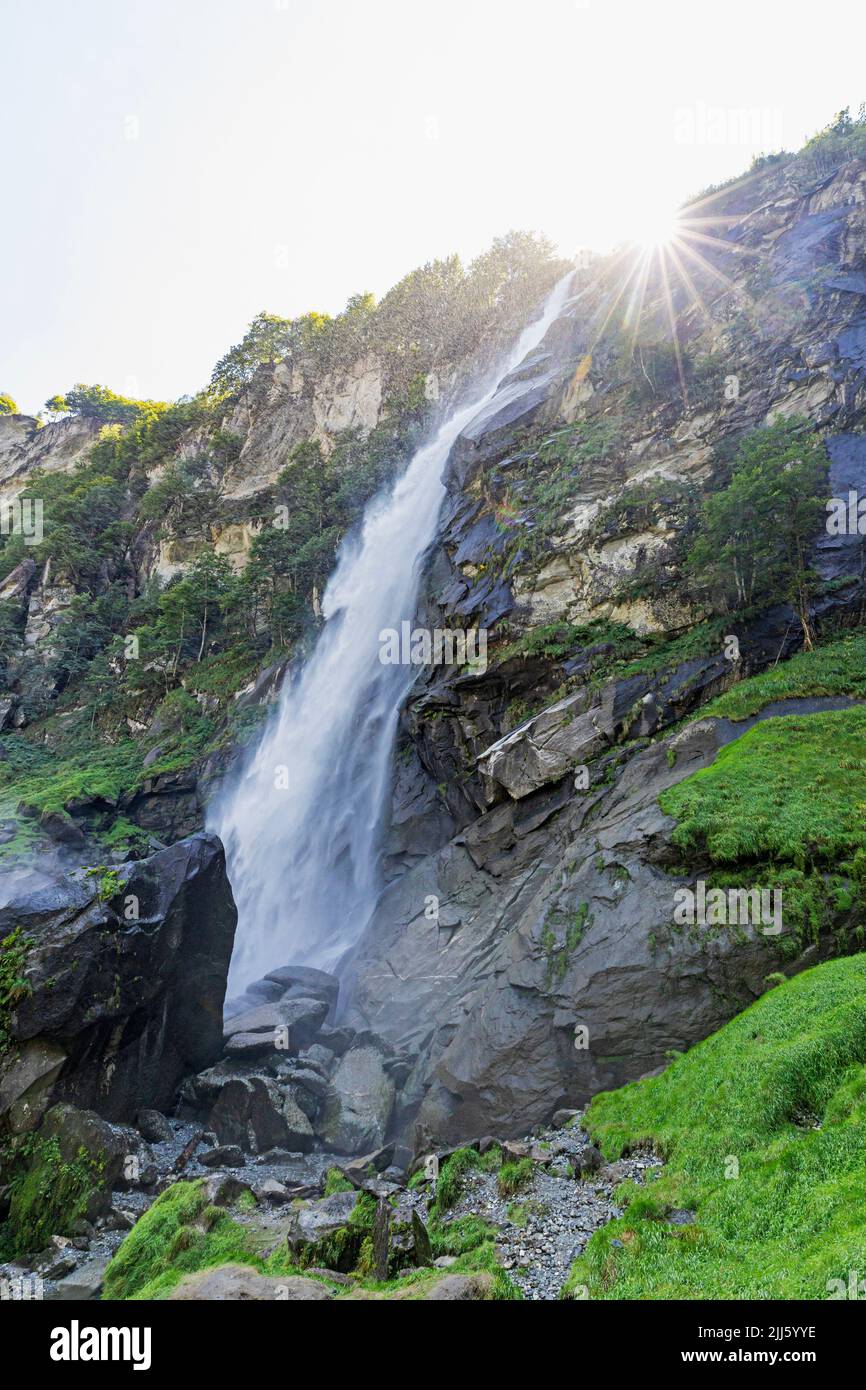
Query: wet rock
355	1112
83	1284
224	1189
322	1233
587	1162
153	1126
255	1114
295	1020
223	1156
273	1191
307	982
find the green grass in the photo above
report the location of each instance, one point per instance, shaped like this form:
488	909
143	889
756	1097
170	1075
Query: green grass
784	806
763	1131
837	669
180	1234
14	986
335	1182
452	1173
791	789
513	1176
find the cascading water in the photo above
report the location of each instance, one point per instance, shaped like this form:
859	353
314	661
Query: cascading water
300	826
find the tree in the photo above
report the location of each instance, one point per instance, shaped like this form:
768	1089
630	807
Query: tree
7	404
267	339
755	535
99	403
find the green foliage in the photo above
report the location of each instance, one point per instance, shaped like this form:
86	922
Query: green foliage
7	404
755	535
99	403
335	1182
47	1194
513	1176
13	985
843	139
267	339
784	804
781	1090
180	1234
839	668
449	1184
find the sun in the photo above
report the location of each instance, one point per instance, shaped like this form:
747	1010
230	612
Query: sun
655	227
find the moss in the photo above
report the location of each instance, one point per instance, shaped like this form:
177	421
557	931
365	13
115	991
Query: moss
180	1234
335	1182
48	1193
452	1174
559	952
13	985
344	1249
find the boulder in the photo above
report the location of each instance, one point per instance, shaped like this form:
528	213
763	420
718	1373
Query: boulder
454	1288
83	1284
223	1156
153	1126
322	1233
255	1114
233	1283
356	1110
301	1017
127	978
96	1147
27	1081
302	981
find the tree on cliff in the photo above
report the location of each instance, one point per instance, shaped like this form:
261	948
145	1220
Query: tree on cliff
755	536
7	404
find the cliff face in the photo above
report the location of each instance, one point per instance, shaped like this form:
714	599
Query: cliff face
554	903
569	513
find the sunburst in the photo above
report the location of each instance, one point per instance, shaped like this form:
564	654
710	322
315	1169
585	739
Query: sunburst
667	252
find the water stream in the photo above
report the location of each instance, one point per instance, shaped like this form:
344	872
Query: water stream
301	823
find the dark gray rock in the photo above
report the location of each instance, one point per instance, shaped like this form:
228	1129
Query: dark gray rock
303	981
134	1004
223	1156
255	1114
355	1112
153	1126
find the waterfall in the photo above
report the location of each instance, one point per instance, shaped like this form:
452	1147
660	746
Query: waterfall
300	825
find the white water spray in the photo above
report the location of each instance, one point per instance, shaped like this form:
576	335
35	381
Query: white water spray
301	825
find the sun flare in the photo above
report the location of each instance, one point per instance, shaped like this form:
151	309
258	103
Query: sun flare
655	227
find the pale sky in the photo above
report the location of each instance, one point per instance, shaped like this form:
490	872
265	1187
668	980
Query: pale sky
171	167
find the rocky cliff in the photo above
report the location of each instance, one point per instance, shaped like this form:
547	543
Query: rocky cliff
550	966
524	953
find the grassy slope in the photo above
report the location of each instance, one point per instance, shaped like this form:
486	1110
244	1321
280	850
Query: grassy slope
783	807
781	1090
837	669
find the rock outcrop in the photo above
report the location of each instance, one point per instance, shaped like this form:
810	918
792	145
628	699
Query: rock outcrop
124	981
